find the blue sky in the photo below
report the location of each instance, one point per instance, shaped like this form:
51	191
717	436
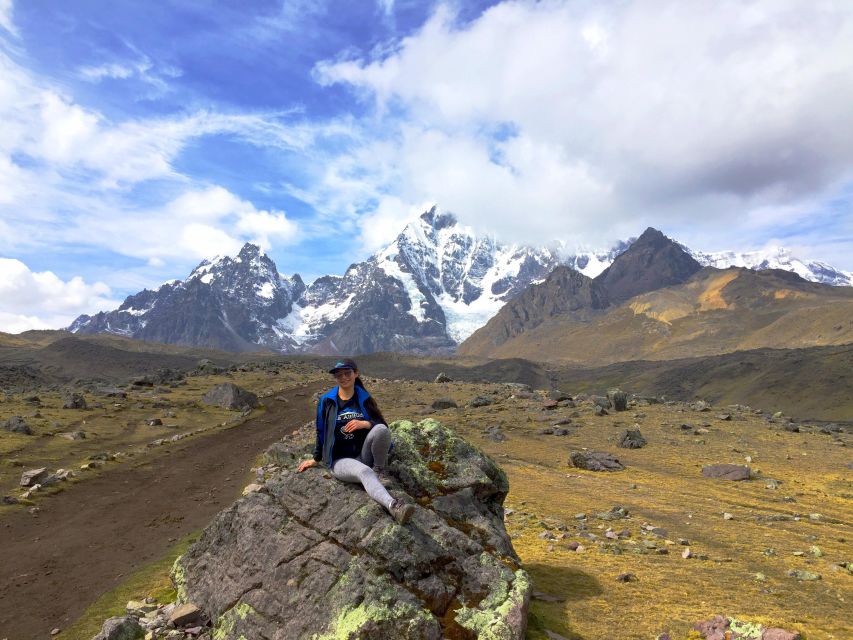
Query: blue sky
140	138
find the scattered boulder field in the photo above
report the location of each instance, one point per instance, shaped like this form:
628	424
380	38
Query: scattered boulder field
85	425
704	507
539	514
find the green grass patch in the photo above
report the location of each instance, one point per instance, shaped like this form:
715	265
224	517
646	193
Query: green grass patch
151	580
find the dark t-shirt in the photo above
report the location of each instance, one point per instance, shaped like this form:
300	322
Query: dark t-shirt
348	445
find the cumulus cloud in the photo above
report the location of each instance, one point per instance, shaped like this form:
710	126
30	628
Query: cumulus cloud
80	169
42	300
260	226
581	119
383	224
198	223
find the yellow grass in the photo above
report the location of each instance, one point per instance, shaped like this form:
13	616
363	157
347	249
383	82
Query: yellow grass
662	486
671	592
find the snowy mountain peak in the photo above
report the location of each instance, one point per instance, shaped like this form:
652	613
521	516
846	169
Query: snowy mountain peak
250	265
469	276
776	257
428	290
438	220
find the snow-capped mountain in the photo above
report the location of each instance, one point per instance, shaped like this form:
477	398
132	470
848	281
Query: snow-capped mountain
776	258
593	263
427	291
228	303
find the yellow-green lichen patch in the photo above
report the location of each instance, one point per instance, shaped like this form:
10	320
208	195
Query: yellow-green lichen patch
745	629
225	624
351	620
431	455
178	579
489	620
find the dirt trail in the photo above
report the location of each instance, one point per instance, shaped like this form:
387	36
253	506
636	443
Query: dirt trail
84	540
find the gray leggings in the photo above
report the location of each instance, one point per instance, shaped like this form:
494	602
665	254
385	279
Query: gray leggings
374	453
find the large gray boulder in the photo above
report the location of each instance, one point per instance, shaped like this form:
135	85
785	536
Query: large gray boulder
120	628
618	399
72	400
725	471
595	461
312	557
33	476
631	439
444	403
16	424
229	396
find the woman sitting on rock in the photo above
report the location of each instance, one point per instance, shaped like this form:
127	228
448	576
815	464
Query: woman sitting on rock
353	440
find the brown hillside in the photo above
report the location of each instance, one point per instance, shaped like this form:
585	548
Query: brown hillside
652	262
715	312
565	293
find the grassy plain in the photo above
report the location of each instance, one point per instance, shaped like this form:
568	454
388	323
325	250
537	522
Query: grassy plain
809	513
742	564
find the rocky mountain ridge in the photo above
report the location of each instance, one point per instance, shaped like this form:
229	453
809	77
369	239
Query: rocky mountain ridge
426	292
656	302
775	257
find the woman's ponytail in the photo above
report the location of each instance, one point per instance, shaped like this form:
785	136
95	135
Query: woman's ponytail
370	404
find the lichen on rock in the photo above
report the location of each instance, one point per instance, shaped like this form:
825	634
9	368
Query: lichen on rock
177	576
316	558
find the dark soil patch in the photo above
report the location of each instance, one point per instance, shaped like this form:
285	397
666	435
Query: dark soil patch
85	540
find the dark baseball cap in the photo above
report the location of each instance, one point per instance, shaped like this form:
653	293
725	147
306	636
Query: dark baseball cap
346	363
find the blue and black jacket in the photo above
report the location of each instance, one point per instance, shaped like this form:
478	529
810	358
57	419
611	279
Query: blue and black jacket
327	415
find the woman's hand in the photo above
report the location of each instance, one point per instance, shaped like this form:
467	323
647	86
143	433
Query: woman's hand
353	425
306	464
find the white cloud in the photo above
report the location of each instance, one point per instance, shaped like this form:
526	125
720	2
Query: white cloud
199	240
71	137
41	300
198	223
581	120
382	225
141	68
80	167
260	226
114	70
7	9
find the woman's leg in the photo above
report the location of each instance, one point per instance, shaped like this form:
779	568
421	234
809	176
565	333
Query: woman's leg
374	452
351	470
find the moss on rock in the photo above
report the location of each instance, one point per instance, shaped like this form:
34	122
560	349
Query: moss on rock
224	628
354	622
432	459
179	579
496	617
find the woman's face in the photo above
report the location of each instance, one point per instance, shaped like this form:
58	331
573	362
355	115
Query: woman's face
346	377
